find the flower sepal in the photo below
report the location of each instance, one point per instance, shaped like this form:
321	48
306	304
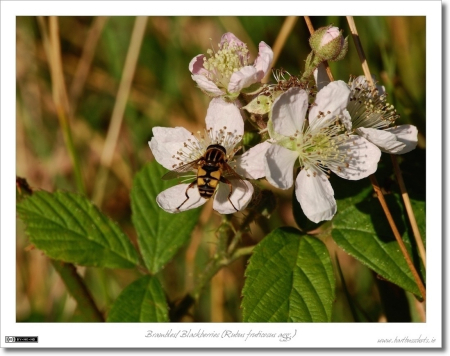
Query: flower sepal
259	105
230	97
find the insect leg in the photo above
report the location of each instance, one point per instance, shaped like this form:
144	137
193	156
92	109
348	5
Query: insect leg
226	181
187	196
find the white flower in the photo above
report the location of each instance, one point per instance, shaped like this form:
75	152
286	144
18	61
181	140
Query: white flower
318	144
175	147
370	116
227	71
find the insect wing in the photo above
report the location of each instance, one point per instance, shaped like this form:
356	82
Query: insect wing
230	173
181	171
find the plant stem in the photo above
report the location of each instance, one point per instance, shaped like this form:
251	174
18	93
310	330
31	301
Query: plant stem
76	287
225	254
409	210
373	179
325	63
238	235
359	49
211	269
400	242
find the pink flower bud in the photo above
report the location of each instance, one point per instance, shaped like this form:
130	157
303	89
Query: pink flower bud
330	34
328	43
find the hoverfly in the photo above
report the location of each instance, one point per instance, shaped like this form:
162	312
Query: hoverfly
211	168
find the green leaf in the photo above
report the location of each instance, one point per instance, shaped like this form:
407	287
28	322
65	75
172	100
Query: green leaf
69	228
160	234
362	230
142	301
289	278
420	214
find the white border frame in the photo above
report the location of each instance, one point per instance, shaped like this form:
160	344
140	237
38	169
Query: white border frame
132	335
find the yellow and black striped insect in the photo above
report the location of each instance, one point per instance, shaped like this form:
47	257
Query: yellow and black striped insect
211	168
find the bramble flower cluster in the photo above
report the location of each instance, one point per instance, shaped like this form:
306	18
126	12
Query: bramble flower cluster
319	144
309	132
227	72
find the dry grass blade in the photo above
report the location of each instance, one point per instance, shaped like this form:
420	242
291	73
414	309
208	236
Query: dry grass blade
85	61
286	29
119	108
52	48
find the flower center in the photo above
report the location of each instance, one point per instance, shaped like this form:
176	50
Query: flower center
369	109
319	148
221	65
195	147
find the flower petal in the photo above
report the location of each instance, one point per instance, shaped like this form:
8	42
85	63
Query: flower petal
196	65
207	85
173	197
251	163
330	102
315	195
385	140
240	196
243	78
364	158
406	134
230	38
264	60
222	114
321	76
165	143
361	82
288	111
346	119
279	165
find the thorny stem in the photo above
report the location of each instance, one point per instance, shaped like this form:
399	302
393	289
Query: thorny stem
409	210
76	287
375	185
225	255
401	244
359	49
226	252
238	234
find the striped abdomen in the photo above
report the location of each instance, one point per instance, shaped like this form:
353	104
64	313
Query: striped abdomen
209	173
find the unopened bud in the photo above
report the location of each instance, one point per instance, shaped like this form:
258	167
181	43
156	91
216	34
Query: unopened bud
328	43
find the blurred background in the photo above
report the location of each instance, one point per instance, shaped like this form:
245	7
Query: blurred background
111	79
